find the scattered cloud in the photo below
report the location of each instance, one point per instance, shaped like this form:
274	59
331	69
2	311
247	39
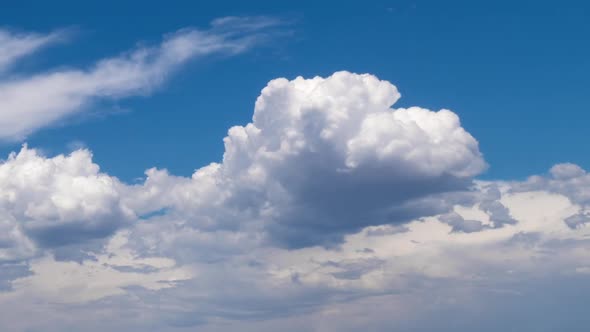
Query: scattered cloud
332	210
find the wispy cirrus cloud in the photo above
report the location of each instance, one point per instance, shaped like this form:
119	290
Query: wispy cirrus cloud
30	103
14	45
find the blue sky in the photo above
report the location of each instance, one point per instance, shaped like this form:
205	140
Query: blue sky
515	73
263	166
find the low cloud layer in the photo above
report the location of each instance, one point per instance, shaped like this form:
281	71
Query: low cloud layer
331	211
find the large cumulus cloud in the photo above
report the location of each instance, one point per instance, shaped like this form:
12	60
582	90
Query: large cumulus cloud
327	156
338	157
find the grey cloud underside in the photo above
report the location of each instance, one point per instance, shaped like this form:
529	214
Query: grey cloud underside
324	213
487	200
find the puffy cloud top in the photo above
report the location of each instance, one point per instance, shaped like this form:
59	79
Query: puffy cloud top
349	117
330	155
59	200
566	171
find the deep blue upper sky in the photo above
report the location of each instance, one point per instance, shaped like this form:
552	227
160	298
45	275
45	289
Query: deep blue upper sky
516	73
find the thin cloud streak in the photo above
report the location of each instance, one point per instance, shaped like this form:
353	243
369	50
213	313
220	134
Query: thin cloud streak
31	103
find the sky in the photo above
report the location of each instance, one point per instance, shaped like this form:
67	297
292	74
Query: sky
295	166
515	72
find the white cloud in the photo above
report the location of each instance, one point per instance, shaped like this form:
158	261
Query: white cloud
102	275
14	46
56	201
566	171
330	207
423	271
567	179
30	103
324	157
